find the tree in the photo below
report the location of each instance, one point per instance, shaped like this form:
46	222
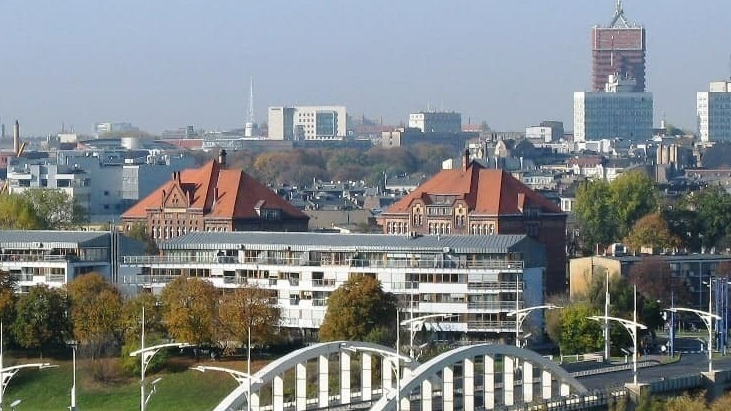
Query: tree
95	310
131	319
713	212
249	308
633	196
17	213
138	232
8	296
190	307
56	208
579	334
359	310
40	318
654	279
651	231
595	213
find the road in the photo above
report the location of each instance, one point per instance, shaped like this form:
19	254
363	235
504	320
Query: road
688	364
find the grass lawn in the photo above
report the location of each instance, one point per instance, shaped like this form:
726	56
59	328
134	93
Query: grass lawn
179	389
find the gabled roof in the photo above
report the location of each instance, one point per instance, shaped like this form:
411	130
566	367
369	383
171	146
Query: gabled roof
219	193
486	191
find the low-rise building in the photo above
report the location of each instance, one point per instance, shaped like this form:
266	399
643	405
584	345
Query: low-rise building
478	279
54	258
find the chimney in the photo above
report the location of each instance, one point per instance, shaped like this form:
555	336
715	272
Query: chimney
465	159
16	137
222	158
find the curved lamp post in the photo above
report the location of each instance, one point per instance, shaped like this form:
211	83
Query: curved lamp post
707	318
522	314
415	325
240	377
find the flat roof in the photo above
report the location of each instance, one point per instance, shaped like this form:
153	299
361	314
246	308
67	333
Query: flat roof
46	239
305	241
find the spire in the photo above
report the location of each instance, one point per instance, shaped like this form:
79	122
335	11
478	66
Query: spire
251	101
619	20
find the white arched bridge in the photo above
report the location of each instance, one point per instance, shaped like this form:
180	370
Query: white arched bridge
350	375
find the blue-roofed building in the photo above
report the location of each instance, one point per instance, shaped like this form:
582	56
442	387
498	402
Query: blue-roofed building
479	279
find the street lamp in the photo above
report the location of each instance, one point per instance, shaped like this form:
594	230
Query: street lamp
707	318
73	344
415	325
240	377
6	374
145	358
522	314
631	327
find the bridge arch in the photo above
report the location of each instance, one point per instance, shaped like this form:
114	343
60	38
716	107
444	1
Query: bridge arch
272	374
422	377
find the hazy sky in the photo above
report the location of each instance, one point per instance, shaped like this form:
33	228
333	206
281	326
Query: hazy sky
162	64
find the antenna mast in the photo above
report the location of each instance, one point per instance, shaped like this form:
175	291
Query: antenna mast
250	123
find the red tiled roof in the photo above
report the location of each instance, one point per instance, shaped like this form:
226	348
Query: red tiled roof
238	194
486	191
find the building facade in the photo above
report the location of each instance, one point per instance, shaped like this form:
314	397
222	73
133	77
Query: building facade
714	112
475	201
54	258
478	279
618	48
616	113
72	180
307	123
436	121
213	198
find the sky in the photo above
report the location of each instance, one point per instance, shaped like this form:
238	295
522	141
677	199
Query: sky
164	64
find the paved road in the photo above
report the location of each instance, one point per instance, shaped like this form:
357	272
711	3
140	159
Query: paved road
689	364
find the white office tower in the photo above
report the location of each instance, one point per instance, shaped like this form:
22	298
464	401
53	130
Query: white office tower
615	113
714	112
307	123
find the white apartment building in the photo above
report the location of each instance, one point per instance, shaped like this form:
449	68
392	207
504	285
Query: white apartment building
544	134
307	123
436	121
479	279
714	112
72	180
615	113
53	258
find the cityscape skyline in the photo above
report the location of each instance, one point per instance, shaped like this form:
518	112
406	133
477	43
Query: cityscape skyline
509	64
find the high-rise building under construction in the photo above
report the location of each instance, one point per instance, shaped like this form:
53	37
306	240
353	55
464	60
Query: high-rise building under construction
618	48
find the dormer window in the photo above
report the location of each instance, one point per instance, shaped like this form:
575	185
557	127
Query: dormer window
269	213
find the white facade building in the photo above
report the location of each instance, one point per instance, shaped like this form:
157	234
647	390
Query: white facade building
72	180
479	279
436	121
53	258
714	112
307	123
615	113
544	134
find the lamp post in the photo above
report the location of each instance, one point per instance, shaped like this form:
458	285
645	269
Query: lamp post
707	318
631	327
240	377
73	344
522	314
415	324
146	354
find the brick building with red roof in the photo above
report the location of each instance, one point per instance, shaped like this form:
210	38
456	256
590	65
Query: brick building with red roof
474	200
213	198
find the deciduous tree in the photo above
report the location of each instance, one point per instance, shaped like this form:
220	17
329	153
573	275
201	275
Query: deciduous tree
40	318
249	308
633	196
579	334
651	231
190	310
359	310
8	297
596	215
56	208
95	311
18	213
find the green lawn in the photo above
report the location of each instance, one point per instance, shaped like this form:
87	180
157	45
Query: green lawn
180	389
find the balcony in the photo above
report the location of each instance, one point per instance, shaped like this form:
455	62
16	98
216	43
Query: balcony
498	326
496	285
355	263
494	305
55	278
